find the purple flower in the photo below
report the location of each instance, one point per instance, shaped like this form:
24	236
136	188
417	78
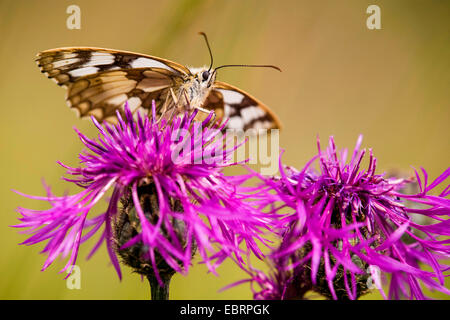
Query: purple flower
345	229
175	198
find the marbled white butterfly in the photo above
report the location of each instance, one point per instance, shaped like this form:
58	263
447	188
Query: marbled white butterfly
99	81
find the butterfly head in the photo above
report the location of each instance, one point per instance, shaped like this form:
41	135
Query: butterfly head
207	77
199	84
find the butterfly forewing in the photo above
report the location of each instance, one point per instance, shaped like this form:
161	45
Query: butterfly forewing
100	81
68	64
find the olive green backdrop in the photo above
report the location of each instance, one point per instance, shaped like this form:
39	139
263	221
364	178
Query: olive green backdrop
338	78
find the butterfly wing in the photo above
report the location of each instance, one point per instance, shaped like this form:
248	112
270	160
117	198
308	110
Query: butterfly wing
99	81
242	110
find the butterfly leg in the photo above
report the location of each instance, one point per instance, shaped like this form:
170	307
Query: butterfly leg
165	107
174	108
174	97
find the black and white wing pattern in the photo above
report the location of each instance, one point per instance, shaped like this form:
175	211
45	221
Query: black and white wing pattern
99	81
242	110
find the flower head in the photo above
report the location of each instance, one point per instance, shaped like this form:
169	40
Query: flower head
175	198
345	225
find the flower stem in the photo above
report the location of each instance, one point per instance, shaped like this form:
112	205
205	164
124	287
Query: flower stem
157	291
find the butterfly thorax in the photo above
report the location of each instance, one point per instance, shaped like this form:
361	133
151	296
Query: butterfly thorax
196	87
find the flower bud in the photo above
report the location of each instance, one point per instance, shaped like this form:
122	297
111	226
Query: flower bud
128	225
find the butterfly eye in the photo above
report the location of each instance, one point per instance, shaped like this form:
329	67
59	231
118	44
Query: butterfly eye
205	75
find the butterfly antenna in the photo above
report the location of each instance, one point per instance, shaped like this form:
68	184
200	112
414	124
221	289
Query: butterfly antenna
209	49
249	65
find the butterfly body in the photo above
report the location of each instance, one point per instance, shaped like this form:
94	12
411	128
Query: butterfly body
100	81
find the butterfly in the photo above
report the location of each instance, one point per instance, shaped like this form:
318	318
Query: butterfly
100	81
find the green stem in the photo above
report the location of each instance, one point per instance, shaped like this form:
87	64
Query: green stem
158	292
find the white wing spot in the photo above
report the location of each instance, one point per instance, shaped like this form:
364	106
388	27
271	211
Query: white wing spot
231	97
64	62
226	110
83	71
117	100
251	113
100	54
149	63
235	123
134	103
68	55
97	60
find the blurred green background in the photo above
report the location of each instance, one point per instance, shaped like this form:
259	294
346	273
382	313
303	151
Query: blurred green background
339	78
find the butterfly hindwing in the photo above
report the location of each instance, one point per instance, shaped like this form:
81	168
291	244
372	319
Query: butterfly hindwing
242	110
101	94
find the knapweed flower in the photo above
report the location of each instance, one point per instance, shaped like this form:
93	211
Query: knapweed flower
346	230
174	198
